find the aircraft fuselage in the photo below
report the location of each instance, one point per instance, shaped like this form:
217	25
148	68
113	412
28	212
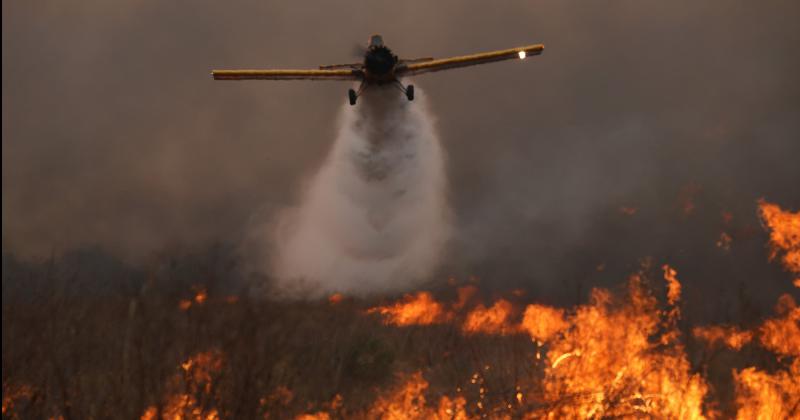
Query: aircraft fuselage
379	62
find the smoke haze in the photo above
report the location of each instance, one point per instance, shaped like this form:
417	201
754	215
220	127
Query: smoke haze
374	218
114	134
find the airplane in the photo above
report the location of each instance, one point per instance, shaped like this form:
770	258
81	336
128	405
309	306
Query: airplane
380	67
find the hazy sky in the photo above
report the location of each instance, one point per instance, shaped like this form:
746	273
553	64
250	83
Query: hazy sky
114	133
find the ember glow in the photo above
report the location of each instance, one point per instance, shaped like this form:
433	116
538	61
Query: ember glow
193	386
199	298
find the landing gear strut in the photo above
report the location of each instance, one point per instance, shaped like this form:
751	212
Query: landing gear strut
407	90
352	95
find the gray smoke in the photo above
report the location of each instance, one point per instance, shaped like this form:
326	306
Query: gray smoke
115	136
374	218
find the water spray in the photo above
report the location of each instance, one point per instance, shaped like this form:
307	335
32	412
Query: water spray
374	218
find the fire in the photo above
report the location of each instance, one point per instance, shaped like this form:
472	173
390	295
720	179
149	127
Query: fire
181	407
197	379
321	415
605	364
542	323
616	356
673	285
407	401
764	395
760	395
492	320
14	394
419	309
782	334
423	309
731	337
604	359
784	234
621	355
200	295
199	298
202	366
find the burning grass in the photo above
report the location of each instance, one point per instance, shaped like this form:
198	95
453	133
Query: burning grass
623	354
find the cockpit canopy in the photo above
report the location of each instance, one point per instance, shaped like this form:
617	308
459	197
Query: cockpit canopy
375	41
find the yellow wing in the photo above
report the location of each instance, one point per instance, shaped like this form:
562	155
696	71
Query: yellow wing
348	74
470	60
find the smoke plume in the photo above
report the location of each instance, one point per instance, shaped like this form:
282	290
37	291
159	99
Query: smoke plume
374	218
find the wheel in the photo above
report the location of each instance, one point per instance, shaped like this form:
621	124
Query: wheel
352	95
410	92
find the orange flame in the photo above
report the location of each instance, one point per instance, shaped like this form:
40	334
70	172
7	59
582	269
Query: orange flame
764	395
492	320
673	285
782	334
760	395
731	337
321	415
543	322
199	298
604	364
199	372
784	234
200	295
419	309
613	357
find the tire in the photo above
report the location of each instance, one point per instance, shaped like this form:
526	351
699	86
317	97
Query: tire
410	92
351	94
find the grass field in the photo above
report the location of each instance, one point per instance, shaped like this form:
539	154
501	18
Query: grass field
171	343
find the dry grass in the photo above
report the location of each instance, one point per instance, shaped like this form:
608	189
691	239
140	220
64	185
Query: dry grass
72	351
